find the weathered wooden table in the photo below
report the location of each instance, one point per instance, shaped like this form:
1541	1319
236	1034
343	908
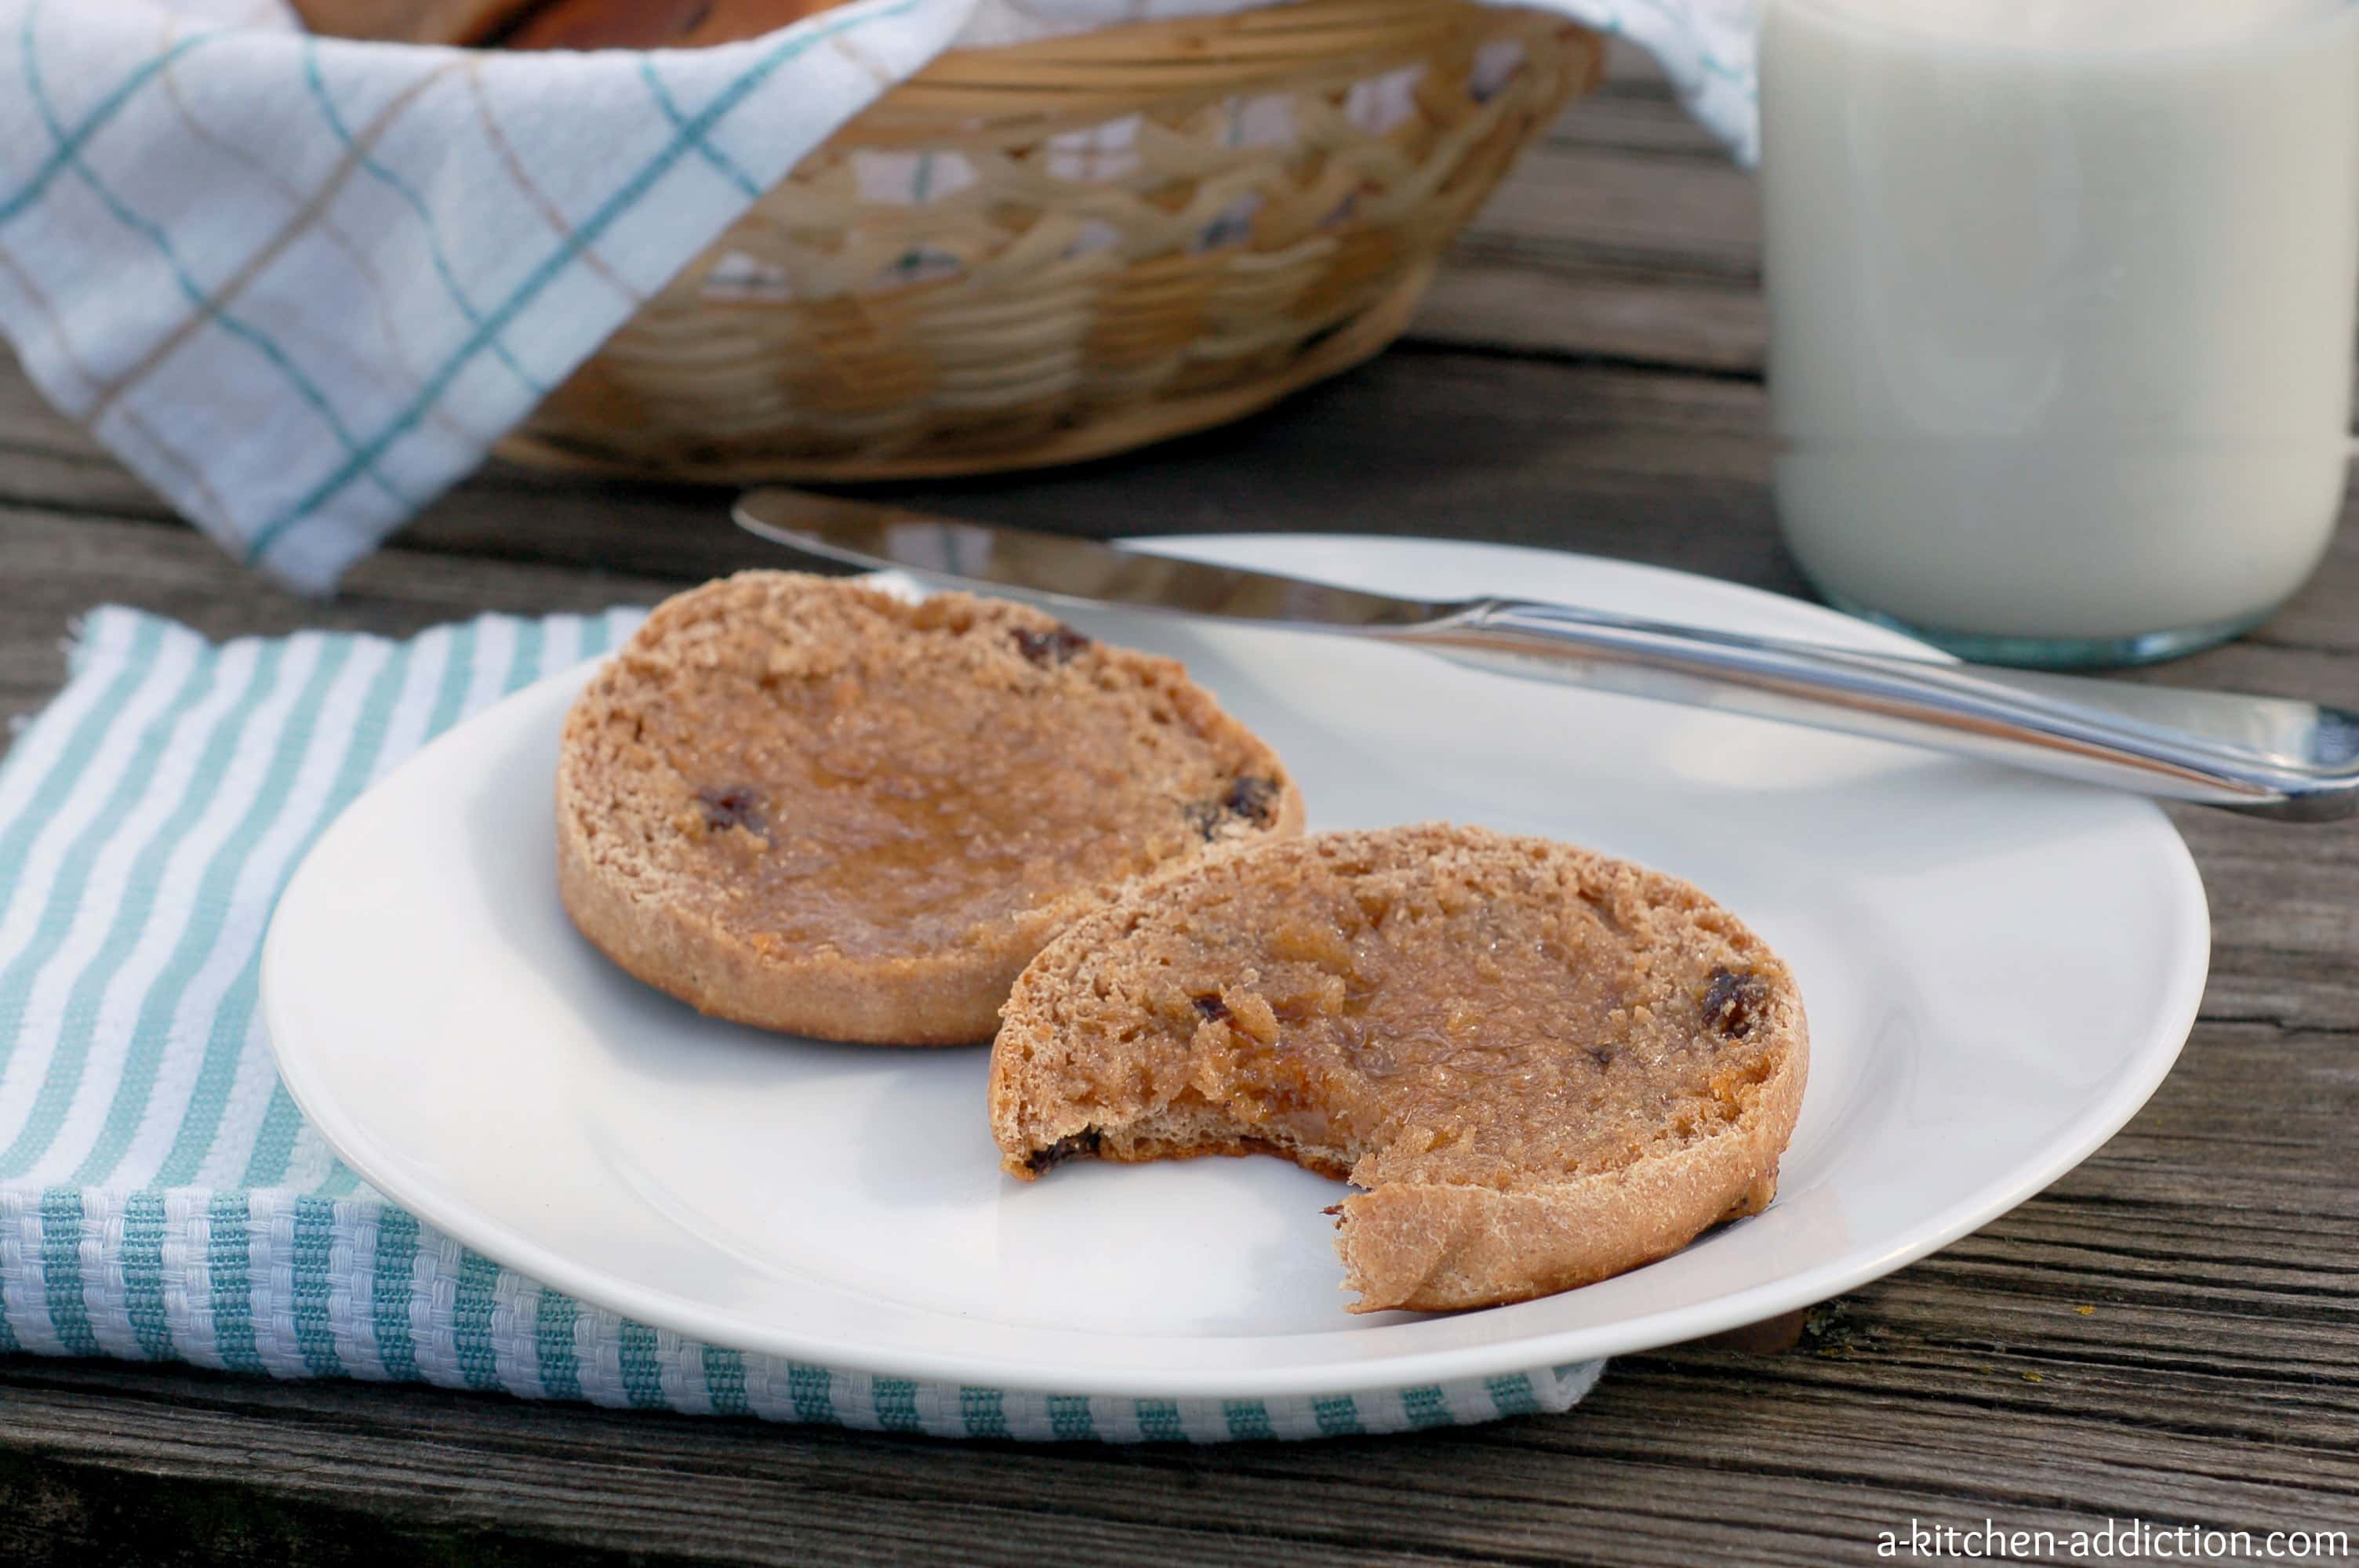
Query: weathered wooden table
2171	1333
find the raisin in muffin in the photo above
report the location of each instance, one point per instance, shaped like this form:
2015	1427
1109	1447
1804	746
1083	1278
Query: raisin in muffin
804	804
1544	1067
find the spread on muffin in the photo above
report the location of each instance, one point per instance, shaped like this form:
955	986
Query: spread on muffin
803	802
1544	1066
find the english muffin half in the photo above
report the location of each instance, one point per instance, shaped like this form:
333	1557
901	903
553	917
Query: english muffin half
806	804
1543	1066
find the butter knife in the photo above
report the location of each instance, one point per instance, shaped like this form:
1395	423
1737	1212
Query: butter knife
2265	756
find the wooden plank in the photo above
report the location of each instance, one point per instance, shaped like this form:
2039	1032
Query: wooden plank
1573	204
1588	251
56	1514
1627	235
1504	302
1909	1400
57	566
1664	468
1633	108
1582	457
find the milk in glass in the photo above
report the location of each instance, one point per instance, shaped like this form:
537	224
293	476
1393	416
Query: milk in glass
2062	298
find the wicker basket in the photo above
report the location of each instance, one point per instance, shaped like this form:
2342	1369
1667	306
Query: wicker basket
1054	251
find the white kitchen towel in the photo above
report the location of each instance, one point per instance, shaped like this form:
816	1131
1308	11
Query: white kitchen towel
301	286
160	1196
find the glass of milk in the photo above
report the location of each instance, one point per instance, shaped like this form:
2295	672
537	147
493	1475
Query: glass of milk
2062	302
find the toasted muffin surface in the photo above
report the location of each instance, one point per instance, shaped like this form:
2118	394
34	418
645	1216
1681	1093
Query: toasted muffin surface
806	804
1543	1065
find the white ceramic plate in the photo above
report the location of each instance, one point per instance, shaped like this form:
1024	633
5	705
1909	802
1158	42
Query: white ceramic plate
1999	970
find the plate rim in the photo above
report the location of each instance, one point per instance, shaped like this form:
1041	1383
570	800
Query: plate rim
493	1238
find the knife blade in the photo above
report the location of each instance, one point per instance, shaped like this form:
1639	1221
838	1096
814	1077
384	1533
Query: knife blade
2264	756
1061	570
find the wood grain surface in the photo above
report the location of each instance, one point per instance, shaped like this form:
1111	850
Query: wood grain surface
2171	1332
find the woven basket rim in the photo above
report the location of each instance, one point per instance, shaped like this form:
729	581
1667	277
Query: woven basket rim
1166	61
1100	298
1359	341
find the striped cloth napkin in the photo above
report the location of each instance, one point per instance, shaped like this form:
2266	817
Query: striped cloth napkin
301	285
160	1196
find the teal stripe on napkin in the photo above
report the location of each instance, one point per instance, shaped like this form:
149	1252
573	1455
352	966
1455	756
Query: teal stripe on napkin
312	1287
61	1270
143	1274
553	1340
724	1382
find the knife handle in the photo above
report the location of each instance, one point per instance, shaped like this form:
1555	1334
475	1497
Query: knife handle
2294	760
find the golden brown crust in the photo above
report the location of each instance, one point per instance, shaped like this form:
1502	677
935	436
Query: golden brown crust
1480	1192
411	21
802	804
896	1002
654	24
557	24
1436	1248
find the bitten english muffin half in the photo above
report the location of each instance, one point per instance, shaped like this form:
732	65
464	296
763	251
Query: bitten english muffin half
805	803
1543	1066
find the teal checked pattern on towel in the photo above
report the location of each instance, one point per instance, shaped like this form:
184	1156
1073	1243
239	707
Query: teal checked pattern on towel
301	285
160	1196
